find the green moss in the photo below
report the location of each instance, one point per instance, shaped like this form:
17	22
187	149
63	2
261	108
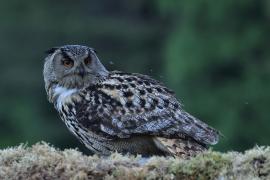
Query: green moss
46	162
205	166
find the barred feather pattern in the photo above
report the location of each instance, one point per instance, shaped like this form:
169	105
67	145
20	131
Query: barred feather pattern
131	113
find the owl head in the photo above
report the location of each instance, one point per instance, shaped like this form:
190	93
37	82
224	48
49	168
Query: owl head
72	66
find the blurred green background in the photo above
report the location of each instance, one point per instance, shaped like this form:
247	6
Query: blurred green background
214	54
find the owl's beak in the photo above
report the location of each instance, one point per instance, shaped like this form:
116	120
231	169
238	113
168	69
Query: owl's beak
81	71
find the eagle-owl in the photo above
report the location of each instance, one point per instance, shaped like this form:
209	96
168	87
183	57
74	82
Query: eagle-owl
111	111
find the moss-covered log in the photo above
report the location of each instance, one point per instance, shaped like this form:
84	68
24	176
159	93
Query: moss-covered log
42	161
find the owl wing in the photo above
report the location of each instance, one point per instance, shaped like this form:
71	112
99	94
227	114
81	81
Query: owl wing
125	105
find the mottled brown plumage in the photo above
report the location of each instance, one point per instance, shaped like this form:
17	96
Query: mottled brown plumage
117	111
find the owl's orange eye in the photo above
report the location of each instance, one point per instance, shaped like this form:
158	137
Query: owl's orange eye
68	63
87	60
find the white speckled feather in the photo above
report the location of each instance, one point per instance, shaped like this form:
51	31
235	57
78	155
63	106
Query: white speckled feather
62	93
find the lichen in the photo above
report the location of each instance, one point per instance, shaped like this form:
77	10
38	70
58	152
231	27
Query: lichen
43	161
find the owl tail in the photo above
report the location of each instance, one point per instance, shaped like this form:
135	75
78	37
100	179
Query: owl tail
199	131
183	148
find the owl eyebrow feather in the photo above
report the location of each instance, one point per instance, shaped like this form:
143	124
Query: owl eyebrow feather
65	55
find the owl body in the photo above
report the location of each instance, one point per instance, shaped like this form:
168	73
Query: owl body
124	112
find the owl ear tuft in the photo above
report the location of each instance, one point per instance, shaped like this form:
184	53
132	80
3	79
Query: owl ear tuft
51	50
93	50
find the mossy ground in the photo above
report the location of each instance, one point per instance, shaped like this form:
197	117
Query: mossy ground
42	161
